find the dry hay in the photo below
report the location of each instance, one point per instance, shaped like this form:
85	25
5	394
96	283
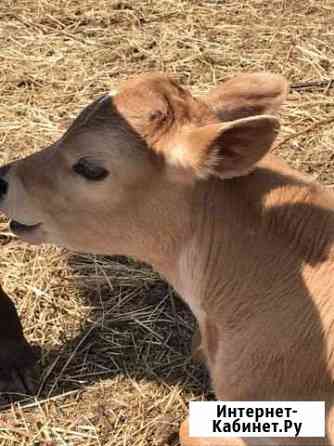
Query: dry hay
115	339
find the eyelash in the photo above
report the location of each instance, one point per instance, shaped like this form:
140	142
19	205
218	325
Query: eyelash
89	170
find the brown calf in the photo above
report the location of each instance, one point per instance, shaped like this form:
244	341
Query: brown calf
188	185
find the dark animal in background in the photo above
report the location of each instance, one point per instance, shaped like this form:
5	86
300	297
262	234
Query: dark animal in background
16	355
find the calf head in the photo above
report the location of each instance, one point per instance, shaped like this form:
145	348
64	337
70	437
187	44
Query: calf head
124	172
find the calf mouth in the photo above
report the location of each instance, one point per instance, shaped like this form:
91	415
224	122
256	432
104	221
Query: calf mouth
20	229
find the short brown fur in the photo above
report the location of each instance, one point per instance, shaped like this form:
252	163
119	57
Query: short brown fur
192	189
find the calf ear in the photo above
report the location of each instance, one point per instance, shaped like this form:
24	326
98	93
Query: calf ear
248	94
226	150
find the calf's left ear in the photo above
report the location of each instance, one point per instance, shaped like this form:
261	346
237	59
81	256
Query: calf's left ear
226	150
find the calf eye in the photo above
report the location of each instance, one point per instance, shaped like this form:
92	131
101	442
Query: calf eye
90	170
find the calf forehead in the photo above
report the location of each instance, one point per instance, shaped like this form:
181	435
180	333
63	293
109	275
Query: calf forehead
101	127
147	113
90	116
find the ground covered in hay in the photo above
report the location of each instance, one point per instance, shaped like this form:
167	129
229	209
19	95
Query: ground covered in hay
115	365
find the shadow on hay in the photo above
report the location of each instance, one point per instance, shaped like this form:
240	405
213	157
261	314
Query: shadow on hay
137	327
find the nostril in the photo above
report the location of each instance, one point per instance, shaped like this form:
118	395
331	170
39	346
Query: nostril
3	186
